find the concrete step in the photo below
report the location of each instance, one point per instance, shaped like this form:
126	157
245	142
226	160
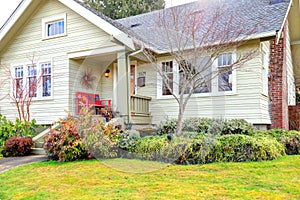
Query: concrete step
38	151
38	145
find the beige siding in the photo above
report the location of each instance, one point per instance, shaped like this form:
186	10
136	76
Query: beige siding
248	103
81	36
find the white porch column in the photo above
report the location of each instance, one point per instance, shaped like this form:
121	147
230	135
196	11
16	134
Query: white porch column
122	86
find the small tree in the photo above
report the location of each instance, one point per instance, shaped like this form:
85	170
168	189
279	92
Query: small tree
195	39
23	91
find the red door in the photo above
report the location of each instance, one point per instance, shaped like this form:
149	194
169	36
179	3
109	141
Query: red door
132	79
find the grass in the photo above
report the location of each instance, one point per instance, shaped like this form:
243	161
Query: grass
278	179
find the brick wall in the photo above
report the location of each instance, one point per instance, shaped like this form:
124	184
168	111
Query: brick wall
278	88
294	117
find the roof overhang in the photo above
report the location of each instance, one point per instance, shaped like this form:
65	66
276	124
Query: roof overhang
278	35
85	13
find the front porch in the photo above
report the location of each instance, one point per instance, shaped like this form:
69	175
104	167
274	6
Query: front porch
115	85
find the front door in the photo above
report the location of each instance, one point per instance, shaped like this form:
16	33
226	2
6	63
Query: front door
132	79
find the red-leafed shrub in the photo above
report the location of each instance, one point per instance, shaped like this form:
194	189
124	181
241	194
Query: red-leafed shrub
64	144
17	146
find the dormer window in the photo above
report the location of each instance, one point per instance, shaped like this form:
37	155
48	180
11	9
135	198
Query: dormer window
54	26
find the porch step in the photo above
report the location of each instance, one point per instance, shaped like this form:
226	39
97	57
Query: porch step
38	144
38	151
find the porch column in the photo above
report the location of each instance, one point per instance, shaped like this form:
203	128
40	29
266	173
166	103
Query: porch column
122	86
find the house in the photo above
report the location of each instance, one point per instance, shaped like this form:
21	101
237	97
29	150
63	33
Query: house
84	53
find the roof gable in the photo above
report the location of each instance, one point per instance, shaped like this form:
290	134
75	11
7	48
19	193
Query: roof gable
108	25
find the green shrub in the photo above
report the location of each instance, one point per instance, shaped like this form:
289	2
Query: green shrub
232	126
197	124
240	148
128	140
290	139
17	146
10	129
167	127
179	150
64	144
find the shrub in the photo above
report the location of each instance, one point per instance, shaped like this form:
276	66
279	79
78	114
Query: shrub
100	139
239	148
9	129
196	124
289	139
17	146
127	141
65	144
179	150
232	126
167	127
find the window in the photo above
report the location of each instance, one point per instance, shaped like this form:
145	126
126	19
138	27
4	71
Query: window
167	70
54	26
225	72
18	86
46	79
265	70
198	75
34	80
203	76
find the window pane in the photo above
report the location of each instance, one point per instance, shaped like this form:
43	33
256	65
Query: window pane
46	86
167	68
225	79
197	75
56	28
32	86
46	72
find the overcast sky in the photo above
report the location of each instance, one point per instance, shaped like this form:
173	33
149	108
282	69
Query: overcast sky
8	6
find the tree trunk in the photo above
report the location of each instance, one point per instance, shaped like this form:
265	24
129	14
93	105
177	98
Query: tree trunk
179	122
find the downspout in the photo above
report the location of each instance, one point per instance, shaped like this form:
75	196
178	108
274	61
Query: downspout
128	82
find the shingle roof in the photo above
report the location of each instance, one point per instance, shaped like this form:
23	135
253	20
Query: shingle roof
251	18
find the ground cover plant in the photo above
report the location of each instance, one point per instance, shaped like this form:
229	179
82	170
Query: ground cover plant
110	179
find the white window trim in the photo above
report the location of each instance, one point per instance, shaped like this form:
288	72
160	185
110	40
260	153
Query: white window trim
265	88
214	82
47	20
39	92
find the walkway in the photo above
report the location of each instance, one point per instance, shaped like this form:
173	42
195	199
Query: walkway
9	163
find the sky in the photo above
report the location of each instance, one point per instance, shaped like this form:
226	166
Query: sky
8	6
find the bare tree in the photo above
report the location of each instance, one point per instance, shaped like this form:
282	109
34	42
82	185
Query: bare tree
195	39
23	91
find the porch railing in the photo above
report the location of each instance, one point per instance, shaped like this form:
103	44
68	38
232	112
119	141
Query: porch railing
139	105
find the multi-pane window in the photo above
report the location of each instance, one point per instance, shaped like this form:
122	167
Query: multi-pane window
32	80
167	70
18	86
46	79
55	28
225	62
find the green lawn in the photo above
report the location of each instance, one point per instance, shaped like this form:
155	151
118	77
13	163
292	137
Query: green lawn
279	179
